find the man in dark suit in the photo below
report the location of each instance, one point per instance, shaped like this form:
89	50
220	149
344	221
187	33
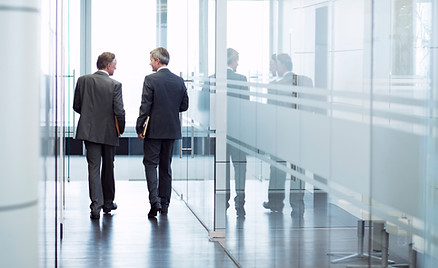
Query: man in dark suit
164	97
98	100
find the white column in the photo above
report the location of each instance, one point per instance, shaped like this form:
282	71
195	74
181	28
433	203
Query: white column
220	119
19	134
430	243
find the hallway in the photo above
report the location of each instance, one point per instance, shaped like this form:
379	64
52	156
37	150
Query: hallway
127	238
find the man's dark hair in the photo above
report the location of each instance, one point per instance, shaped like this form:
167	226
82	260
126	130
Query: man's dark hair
104	59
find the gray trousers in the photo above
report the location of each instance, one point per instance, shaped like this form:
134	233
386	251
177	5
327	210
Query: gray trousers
100	182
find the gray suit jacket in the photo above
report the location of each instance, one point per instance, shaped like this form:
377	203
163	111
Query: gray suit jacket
98	98
164	96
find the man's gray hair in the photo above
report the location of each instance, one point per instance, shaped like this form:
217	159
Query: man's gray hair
162	54
232	55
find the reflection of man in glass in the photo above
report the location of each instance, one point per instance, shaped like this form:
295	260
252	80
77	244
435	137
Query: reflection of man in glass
287	77
276	190
234	154
273	67
237	156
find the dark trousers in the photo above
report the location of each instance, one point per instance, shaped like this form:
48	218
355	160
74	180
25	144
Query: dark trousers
238	159
100	182
158	153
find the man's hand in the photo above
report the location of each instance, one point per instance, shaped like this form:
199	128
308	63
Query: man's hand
140	136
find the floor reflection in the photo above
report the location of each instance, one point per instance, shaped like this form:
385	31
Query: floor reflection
160	239
127	238
296	236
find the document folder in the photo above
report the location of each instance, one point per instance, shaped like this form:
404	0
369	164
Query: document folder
145	126
117	126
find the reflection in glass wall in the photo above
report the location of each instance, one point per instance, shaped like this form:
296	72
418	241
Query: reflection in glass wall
327	109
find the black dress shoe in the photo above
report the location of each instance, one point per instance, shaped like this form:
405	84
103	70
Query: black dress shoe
154	209
164	209
273	207
113	206
94	215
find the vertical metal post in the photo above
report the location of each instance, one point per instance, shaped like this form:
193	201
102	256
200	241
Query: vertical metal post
85	39
360	236
412	256
161	23
385	247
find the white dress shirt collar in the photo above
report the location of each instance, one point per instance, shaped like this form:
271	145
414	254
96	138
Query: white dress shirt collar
103	71
162	67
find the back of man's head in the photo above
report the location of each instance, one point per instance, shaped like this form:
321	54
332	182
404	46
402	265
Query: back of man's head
104	59
162	54
285	59
232	55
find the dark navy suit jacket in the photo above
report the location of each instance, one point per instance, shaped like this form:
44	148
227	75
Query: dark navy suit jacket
164	96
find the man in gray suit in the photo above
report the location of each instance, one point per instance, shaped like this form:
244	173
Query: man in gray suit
98	100
164	97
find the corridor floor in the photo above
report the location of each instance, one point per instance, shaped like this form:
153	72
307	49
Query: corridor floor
127	238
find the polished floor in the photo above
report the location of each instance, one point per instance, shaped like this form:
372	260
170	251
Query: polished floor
127	238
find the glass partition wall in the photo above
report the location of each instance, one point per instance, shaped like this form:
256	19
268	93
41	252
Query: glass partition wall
335	126
51	82
190	39
322	152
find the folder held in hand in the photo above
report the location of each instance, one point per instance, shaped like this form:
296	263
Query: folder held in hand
145	126
117	126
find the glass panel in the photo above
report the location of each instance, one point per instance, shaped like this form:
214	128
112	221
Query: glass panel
72	71
341	130
402	134
131	47
429	19
177	30
191	41
303	127
52	123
